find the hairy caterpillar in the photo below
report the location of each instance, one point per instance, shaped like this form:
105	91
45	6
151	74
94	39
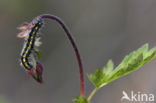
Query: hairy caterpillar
31	40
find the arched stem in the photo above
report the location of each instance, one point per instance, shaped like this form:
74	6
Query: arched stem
69	35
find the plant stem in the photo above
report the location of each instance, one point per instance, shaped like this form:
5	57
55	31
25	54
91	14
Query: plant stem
69	35
92	94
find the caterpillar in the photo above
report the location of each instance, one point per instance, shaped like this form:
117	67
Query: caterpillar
30	43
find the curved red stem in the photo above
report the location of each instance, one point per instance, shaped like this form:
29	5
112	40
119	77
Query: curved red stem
69	35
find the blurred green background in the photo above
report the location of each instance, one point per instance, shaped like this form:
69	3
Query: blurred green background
103	29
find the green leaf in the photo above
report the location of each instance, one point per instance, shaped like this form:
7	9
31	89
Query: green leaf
3	99
130	63
33	61
39	53
79	99
109	67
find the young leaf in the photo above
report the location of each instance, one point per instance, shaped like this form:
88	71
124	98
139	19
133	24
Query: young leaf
33	61
39	53
130	63
80	100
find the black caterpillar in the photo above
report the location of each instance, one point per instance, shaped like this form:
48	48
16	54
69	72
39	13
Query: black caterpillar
30	43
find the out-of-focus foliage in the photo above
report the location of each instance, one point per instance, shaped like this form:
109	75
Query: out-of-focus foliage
3	99
130	63
79	99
